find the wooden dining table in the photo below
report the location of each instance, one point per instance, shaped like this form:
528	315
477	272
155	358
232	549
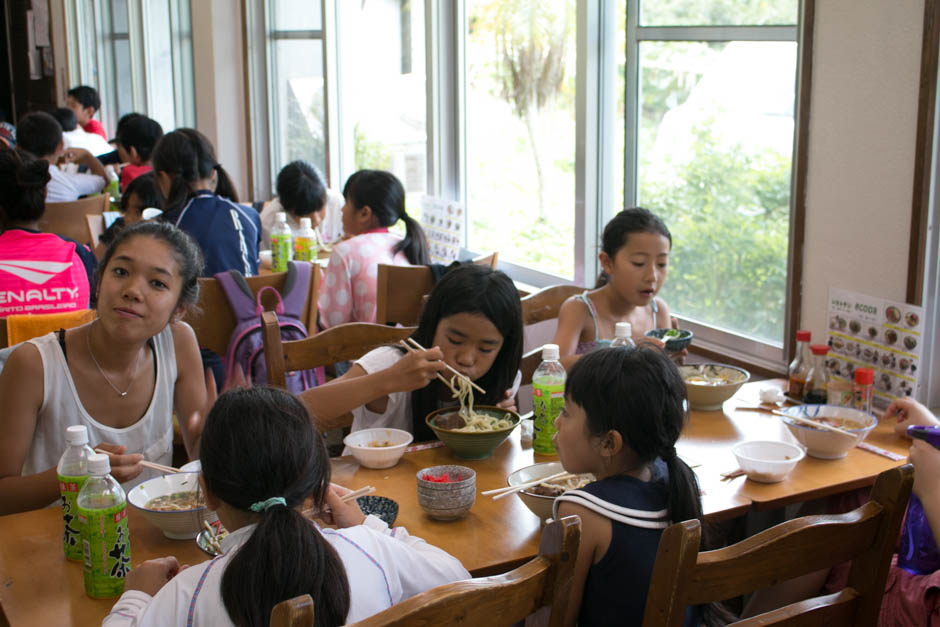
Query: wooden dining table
39	587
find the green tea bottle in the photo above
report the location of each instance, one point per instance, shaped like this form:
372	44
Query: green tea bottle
106	543
282	247
305	242
72	472
548	398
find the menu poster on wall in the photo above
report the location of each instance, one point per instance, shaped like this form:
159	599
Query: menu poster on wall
443	222
884	335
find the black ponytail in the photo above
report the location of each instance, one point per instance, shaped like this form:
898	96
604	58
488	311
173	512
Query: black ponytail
286	556
384	194
188	156
23	180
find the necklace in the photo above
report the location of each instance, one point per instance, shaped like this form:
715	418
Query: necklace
101	372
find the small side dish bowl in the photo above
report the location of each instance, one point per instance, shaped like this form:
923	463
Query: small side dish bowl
182	524
710	385
826	444
675	339
379	506
473	444
451	495
767	461
379	447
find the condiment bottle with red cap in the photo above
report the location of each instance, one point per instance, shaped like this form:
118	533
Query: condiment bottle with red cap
862	390
799	367
814	391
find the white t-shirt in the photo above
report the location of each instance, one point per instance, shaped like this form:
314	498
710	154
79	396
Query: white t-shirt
92	142
68	187
384	566
331	229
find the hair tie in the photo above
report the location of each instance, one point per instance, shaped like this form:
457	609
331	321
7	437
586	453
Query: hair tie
670	453
217	167
263	506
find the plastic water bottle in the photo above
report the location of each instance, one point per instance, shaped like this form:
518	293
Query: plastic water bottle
305	242
623	335
548	398
917	553
106	543
72	471
114	188
281	243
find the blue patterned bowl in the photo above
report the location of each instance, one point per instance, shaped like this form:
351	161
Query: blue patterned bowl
379	506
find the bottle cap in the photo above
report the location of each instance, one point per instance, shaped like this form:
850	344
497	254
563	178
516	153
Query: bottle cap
76	434
819	349
623	329
98	464
864	376
305	223
803	335
281	216
550	351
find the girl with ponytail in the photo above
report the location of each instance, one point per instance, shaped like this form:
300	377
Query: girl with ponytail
375	200
624	411
261	457
201	200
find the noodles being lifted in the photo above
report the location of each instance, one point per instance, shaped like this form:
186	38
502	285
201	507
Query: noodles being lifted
557	488
474	421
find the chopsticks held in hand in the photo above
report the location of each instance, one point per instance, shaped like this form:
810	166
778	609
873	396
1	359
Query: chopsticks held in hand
355	494
414	347
499	493
146	464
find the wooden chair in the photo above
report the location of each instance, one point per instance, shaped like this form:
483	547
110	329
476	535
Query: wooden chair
400	290
536	592
343	342
537	307
68	218
214	322
682	576
296	612
95	224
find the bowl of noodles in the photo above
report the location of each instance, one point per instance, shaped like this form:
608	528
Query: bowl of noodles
709	385
539	498
826	444
474	433
379	447
173	503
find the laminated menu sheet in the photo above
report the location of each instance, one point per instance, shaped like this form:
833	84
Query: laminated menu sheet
443	223
876	333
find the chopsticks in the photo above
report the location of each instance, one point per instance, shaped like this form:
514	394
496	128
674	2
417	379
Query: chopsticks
146	464
499	493
355	494
813	423
414	347
212	539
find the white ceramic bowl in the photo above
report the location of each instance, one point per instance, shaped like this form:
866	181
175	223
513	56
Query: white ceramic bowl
539	504
378	456
829	444
767	461
193	466
709	396
178	525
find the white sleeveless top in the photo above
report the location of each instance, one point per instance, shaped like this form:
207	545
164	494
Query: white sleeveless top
152	435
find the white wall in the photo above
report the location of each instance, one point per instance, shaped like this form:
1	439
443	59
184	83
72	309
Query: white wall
219	75
866	69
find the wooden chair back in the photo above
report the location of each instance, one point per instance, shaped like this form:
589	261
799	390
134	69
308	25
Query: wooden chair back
536	592
296	612
400	290
95	224
22	327
68	218
682	576
538	307
213	319
344	342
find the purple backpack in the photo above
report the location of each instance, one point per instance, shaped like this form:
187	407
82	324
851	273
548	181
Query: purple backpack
246	348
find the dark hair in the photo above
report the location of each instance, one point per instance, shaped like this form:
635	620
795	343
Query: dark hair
259	443
66	118
188	156
86	96
23	181
146	188
300	188
384	194
634	220
38	133
473	289
140	133
184	248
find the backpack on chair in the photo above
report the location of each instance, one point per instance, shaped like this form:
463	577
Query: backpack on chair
246	347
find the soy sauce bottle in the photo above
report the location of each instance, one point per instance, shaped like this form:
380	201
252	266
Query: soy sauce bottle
799	367
815	390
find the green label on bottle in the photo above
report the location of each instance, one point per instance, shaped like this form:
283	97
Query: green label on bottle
106	548
547	403
280	252
305	249
72	530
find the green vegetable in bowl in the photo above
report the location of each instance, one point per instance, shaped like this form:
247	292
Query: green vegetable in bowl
672	333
